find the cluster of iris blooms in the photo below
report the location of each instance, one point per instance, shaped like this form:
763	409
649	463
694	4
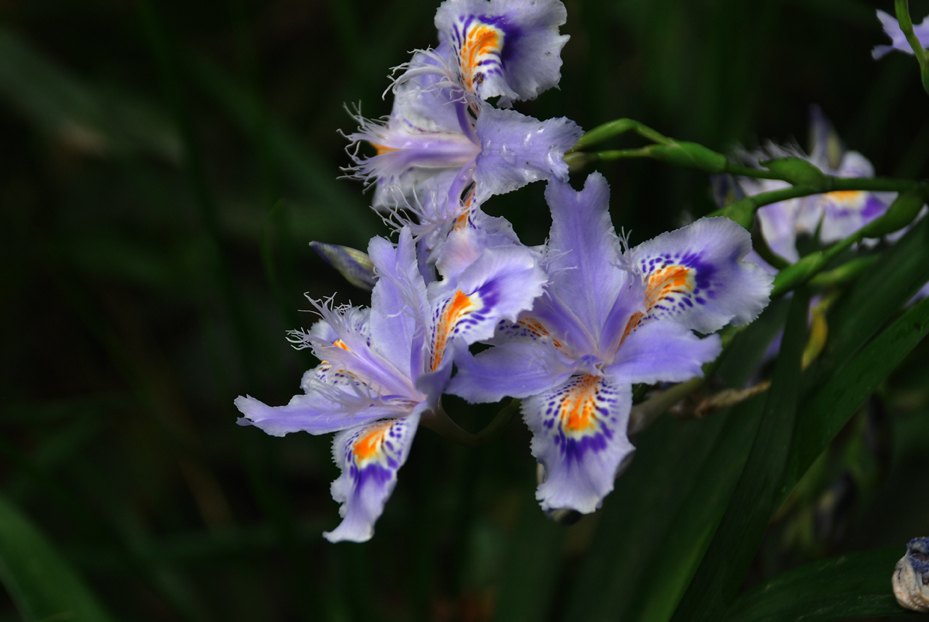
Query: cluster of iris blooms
571	325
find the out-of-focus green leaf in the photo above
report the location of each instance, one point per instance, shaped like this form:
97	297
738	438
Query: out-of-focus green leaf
842	588
41	583
88	119
829	408
877	295
743	525
335	211
670	500
530	572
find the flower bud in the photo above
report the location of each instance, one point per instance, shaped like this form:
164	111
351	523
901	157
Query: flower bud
796	171
900	213
353	264
911	576
690	155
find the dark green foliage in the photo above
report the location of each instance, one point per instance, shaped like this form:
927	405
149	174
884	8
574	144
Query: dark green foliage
165	165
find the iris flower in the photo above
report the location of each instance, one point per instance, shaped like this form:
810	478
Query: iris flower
610	317
384	368
835	215
442	139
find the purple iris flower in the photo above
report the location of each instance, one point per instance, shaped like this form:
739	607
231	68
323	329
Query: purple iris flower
505	48
384	368
609	318
897	38
835	215
436	145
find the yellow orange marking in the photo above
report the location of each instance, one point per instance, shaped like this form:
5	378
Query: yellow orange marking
340	344
578	410
536	327
661	283
482	40
370	444
382	149
459	306
844	196
666	280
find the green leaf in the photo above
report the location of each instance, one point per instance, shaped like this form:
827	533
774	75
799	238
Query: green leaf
40	582
530	570
877	295
743	525
829	408
842	588
674	492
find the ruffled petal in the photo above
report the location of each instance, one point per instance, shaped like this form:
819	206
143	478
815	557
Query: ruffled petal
585	263
518	369
428	133
398	303
499	284
509	48
517	150
663	352
472	234
369	457
695	276
325	408
579	437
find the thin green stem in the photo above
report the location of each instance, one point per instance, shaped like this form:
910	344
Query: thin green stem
615	128
906	25
440	423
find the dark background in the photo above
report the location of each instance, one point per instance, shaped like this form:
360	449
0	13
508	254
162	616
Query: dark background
164	165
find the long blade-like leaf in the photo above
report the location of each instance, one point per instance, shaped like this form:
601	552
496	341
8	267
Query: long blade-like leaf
842	588
743	525
829	408
40	582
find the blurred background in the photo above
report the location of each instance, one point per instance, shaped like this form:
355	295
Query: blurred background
164	166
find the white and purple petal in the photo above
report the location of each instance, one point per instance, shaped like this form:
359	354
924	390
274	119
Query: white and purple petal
499	284
517	150
398	303
695	276
517	369
506	48
579	437
897	38
585	262
662	352
369	457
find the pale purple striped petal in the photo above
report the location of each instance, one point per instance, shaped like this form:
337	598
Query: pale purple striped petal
398	303
518	369
509	48
579	437
369	457
695	276
499	284
517	150
585	263
662	352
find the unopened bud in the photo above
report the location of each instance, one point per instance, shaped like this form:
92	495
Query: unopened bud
900	213
796	171
353	264
690	155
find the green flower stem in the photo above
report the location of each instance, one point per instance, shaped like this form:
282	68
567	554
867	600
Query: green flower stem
845	273
743	210
440	423
906	25
615	128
